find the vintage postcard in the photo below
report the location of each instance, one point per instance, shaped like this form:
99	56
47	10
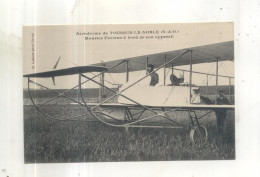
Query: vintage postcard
132	92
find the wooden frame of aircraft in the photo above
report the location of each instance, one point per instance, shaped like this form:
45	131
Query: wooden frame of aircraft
134	106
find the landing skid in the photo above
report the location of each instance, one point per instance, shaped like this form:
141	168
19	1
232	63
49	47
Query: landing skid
130	116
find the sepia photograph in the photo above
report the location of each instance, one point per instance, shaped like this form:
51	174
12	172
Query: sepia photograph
129	92
129	88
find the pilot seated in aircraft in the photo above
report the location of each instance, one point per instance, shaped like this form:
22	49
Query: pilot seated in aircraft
154	76
175	80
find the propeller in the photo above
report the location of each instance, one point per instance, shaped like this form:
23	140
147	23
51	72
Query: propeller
55	66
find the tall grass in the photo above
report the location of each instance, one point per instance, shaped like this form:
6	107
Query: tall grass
49	141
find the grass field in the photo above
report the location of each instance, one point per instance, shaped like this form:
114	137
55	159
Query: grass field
50	141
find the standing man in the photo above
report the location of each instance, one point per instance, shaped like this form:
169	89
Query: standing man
221	114
154	76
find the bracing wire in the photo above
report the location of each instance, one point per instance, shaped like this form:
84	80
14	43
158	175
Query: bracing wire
225	69
70	62
91	72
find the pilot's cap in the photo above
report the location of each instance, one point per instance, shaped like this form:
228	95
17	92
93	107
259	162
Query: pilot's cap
150	66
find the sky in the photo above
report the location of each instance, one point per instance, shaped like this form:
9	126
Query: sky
52	42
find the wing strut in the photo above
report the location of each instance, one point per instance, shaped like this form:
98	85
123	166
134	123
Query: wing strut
216	94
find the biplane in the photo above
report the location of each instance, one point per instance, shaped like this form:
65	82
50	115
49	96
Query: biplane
134	105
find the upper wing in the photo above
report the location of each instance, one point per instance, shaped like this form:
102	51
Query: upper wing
202	54
68	71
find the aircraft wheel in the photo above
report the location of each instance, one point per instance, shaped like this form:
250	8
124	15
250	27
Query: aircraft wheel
199	134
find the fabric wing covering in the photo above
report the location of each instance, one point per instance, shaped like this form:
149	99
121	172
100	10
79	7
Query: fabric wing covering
202	54
68	71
